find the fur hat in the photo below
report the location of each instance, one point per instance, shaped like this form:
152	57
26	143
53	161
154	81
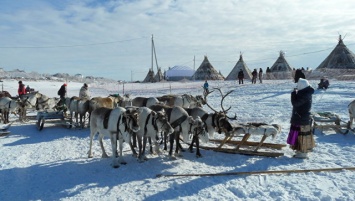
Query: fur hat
85	85
65	84
302	83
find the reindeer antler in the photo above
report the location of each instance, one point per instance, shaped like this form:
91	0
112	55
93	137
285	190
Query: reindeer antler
223	97
205	96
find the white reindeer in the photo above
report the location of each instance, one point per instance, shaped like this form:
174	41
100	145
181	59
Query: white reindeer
115	123
351	108
151	124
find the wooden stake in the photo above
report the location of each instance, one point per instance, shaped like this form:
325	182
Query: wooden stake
257	172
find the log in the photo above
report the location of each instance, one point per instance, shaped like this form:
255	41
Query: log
258	172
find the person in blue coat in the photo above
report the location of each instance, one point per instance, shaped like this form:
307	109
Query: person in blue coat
205	87
300	131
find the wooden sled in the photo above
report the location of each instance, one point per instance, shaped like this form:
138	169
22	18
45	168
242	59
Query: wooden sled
248	147
327	120
54	117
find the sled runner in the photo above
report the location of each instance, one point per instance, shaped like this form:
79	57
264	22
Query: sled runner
258	148
327	120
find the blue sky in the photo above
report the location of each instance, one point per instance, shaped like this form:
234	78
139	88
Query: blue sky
113	38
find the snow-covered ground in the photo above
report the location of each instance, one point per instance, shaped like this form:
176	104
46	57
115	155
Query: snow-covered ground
52	164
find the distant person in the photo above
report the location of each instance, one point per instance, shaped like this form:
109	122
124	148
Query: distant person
299	74
62	92
241	76
205	88
300	136
28	89
84	92
21	89
254	75
261	75
324	83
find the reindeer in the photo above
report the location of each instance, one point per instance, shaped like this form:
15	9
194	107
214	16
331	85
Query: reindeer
8	105
46	103
185	100
123	101
351	108
115	123
79	107
145	102
182	123
151	123
218	121
29	101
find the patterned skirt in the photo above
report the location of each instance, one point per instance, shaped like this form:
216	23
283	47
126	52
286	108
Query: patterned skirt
305	140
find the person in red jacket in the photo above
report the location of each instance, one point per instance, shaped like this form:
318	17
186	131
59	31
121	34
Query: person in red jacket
21	89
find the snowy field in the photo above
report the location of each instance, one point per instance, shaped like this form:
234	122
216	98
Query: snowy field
52	164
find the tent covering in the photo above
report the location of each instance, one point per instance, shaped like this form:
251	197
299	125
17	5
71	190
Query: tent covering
340	58
233	75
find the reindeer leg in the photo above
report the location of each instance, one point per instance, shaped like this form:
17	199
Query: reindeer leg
122	161
134	142
150	145
171	139
143	157
114	149
192	144
90	147
178	145
165	140
198	154
141	149
104	154
134	135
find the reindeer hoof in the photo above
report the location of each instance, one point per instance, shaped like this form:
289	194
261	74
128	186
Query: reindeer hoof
198	156
124	163
116	166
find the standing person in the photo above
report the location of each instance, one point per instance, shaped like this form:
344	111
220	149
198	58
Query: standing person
205	87
84	92
241	76
28	89
261	75
21	89
300	136
62	92
254	74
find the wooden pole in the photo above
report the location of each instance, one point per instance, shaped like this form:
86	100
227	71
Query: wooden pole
257	172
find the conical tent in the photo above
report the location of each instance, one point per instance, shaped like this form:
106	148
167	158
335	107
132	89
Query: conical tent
159	76
340	58
150	76
233	75
281	65
207	72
